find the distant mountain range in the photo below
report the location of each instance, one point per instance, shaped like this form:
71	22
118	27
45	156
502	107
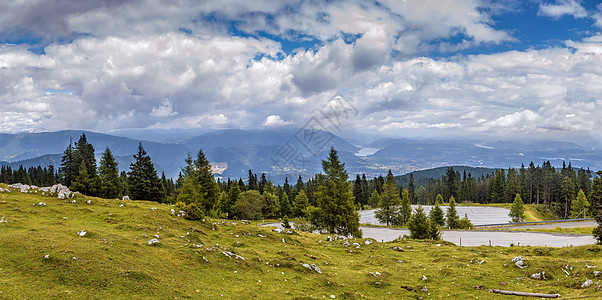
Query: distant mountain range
280	153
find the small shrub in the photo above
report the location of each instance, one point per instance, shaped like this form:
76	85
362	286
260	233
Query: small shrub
285	223
465	223
194	212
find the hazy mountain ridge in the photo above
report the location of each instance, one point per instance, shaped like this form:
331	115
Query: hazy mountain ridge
280	153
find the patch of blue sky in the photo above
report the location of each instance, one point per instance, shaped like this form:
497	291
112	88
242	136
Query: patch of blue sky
59	92
529	30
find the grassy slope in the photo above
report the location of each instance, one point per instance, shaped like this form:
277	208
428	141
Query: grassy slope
113	260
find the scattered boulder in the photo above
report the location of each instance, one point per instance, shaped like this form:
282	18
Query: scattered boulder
539	276
596	273
126	197
153	241
316	268
368	242
41	204
329	239
232	255
587	283
3	220
89	202
519	261
307	266
346	244
82	232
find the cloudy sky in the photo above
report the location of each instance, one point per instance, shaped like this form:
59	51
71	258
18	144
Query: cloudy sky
440	67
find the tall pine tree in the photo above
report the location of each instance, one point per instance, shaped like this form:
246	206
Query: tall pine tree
389	200
68	168
108	172
143	182
336	212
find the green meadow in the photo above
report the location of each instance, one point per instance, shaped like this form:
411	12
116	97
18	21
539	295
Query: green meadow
45	254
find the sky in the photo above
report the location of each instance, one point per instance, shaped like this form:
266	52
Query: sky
418	67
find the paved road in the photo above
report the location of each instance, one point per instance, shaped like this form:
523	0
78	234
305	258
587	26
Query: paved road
478	215
482	237
554	225
497	238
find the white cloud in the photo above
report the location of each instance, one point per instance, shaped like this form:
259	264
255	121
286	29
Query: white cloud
561	8
137	70
165	110
276	121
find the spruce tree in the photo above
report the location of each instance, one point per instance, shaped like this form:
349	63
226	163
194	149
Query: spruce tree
285	205
411	192
579	206
50	180
404	211
272	205
81	182
83	154
108	172
301	204
336	212
517	210
374	199
389	200
452	214
498	193
189	191
358	192
143	182
419	224
68	168
596	196
439	200
227	204
437	216
209	189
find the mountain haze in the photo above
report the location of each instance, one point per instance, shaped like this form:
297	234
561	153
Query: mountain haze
236	151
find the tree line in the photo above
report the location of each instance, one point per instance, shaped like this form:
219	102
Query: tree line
327	201
555	189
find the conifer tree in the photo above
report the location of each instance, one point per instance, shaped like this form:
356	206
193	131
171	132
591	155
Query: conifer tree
374	199
411	192
108	172
50	180
579	206
596	196
517	210
143	182
437	216
68	168
452	214
419	224
358	192
404	211
272	205
285	205
336	212
389	200
83	154
301	204
498	193
439	200
81	182
227	204
209	189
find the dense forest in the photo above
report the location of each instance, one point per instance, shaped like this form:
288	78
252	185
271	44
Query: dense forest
554	189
